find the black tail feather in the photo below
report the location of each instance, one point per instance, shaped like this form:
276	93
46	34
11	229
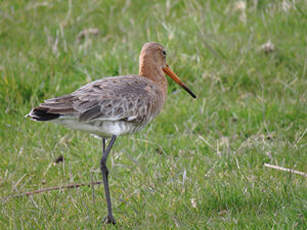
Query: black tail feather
42	114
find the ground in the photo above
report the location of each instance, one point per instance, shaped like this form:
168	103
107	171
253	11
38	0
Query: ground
200	164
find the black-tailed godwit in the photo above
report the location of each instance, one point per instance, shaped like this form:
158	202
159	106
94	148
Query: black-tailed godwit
114	106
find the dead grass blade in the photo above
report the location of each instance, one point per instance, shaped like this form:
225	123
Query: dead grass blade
68	186
285	169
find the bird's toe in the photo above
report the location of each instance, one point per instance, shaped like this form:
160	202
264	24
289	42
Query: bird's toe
109	220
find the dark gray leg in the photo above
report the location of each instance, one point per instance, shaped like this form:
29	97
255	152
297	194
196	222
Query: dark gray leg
105	173
103	145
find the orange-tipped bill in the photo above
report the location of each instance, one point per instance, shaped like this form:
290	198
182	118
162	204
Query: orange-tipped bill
170	73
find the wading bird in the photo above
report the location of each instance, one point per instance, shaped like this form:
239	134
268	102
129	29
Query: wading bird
114	106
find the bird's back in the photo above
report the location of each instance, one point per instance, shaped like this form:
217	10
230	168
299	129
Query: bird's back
110	106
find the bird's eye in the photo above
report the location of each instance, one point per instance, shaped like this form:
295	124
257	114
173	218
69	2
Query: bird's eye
164	52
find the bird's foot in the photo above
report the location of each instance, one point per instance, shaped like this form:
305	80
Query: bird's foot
109	220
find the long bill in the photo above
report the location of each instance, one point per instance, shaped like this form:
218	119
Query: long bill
170	73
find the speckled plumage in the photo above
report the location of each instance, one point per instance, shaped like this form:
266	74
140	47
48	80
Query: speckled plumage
126	102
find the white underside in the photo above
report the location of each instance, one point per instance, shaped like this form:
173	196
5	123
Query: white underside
101	128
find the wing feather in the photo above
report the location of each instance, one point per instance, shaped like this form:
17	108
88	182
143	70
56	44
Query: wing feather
119	98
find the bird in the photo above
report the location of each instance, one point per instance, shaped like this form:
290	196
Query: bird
114	106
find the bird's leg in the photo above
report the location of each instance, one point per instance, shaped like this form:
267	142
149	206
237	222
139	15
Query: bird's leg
105	173
103	145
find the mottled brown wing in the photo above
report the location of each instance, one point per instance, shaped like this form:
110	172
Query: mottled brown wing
121	98
129	98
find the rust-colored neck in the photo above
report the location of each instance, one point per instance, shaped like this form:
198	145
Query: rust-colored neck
151	70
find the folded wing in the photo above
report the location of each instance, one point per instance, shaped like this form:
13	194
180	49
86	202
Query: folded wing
129	98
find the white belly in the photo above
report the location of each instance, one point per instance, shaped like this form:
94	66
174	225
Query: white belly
101	128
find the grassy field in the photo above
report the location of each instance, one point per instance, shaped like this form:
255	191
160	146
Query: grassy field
200	164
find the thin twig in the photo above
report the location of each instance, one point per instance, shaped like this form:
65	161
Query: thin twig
54	188
285	169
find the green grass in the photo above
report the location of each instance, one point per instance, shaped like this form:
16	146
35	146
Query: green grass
199	165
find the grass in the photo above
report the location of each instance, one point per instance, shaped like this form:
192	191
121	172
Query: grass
199	165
